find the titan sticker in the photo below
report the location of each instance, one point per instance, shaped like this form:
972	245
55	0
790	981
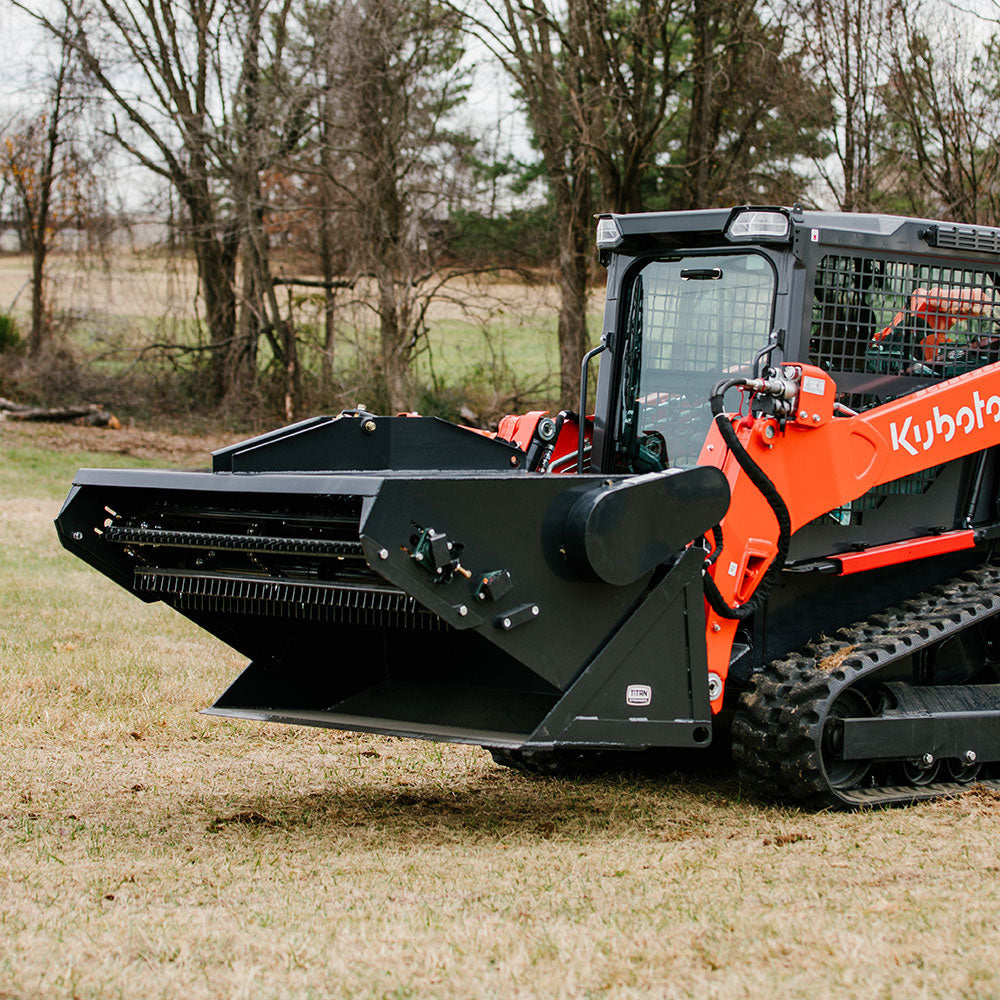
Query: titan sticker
638	694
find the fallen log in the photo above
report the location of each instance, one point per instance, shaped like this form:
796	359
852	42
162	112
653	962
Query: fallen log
90	415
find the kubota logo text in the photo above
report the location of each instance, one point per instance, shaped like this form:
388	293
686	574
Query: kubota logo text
969	418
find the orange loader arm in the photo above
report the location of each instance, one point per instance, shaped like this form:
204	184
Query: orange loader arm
940	309
818	461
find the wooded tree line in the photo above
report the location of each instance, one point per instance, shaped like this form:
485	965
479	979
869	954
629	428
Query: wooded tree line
343	130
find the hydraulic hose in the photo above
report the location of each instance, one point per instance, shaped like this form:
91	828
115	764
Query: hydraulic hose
770	493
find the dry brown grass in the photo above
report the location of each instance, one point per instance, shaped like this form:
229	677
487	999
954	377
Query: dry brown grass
149	851
153	285
127	284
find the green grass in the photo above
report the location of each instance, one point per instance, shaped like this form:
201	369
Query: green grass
146	850
463	352
30	471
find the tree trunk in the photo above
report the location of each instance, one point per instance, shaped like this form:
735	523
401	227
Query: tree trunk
572	323
216	275
41	218
575	240
329	294
239	358
393	381
700	138
293	375
39	325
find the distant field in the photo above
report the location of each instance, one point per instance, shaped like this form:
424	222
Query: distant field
148	851
494	338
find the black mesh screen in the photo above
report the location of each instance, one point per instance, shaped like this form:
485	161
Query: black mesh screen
704	314
894	317
692	321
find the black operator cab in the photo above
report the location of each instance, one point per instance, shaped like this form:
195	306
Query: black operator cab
887	305
693	297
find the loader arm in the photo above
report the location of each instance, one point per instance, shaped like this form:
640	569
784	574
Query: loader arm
818	460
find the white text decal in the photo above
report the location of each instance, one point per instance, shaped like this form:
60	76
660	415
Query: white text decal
968	418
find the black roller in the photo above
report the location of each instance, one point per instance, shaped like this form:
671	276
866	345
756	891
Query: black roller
622	529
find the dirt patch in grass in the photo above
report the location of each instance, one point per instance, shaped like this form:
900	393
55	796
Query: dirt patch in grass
178	450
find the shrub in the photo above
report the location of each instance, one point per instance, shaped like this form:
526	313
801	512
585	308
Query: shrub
10	339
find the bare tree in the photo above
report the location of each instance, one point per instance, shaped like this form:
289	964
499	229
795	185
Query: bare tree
183	85
945	136
36	164
531	48
630	64
390	162
849	44
597	82
271	113
753	113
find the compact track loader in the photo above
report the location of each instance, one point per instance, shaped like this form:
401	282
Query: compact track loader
777	526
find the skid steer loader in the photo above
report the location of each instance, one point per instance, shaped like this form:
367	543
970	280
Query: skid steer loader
777	525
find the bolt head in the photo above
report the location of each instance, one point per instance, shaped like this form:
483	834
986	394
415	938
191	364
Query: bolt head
383	553
368	426
534	609
513	459
463	610
77	536
803	415
716	627
969	757
506	623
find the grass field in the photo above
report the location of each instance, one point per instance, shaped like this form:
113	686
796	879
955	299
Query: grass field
148	851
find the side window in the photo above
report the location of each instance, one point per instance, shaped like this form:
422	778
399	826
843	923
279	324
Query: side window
896	318
893	317
849	292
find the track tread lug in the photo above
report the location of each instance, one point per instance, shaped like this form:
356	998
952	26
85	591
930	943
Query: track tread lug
778	727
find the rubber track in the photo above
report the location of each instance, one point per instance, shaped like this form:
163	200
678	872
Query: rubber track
778	727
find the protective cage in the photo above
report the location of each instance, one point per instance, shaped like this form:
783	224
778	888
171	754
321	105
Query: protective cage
906	320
